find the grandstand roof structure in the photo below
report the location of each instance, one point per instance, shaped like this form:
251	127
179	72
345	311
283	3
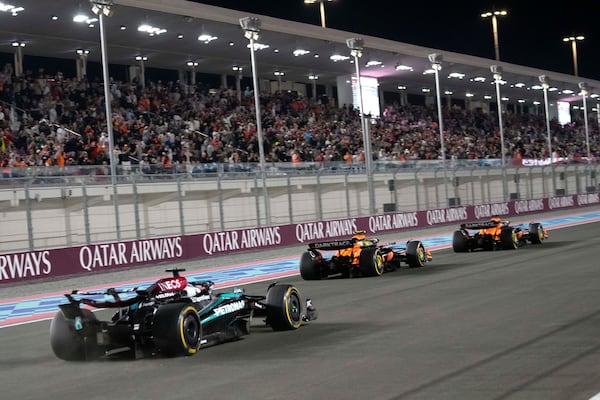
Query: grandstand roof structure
185	21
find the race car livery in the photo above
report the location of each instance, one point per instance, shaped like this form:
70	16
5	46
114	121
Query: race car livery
360	256
171	317
496	234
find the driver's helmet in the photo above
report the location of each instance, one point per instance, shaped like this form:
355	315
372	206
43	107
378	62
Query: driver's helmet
360	234
496	220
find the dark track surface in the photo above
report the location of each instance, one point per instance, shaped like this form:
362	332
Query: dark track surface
513	325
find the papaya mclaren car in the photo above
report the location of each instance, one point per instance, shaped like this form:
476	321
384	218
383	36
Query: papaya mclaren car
496	234
360	256
171	317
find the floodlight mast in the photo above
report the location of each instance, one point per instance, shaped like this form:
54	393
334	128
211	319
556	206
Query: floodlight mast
584	92
436	63
321	9
103	8
545	86
356	46
251	27
497	71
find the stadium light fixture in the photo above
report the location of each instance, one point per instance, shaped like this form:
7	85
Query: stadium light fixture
321	9
497	73
494	16
545	85
436	64
251	28
574	39
356	46
584	92
103	8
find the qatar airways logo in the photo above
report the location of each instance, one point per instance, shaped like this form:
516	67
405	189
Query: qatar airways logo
587	199
561	202
527	206
490	210
323	230
446	215
219	242
25	265
388	222
117	254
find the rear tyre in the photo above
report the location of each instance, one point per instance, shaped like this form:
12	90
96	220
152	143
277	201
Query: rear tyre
370	262
415	254
284	308
459	242
177	330
536	233
310	270
509	239
71	344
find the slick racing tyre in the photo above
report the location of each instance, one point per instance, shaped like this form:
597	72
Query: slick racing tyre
370	262
536	233
459	242
508	238
74	339
177	330
310	269
415	254
284	308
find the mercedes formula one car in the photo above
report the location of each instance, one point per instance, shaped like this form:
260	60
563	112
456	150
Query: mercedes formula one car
360	256
496	234
171	317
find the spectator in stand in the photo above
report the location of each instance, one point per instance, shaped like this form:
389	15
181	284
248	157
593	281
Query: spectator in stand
194	125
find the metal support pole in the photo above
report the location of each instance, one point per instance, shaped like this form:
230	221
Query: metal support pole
496	70
109	127
259	133
355	46
548	123
583	88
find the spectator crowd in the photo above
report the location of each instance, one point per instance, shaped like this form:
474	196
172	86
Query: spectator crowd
54	120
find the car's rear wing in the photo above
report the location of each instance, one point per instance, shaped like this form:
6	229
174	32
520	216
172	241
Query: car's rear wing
342	244
332	245
481	224
98	299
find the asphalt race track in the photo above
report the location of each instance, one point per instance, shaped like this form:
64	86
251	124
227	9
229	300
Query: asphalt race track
521	324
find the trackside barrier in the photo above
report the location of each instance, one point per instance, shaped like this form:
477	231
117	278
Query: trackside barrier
60	262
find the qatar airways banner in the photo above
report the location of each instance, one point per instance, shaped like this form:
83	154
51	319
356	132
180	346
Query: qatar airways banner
53	263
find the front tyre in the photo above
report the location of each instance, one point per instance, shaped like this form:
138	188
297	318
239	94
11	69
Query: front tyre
177	330
415	254
536	233
74	339
284	307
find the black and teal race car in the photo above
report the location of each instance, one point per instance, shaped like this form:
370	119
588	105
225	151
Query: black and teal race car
171	317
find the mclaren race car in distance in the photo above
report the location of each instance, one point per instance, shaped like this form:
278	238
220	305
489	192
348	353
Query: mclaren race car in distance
360	256
171	317
496	234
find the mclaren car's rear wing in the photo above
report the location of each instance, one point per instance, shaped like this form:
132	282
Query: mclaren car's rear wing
481	224
332	245
342	244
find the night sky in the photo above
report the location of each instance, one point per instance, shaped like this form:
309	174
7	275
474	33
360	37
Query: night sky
530	35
